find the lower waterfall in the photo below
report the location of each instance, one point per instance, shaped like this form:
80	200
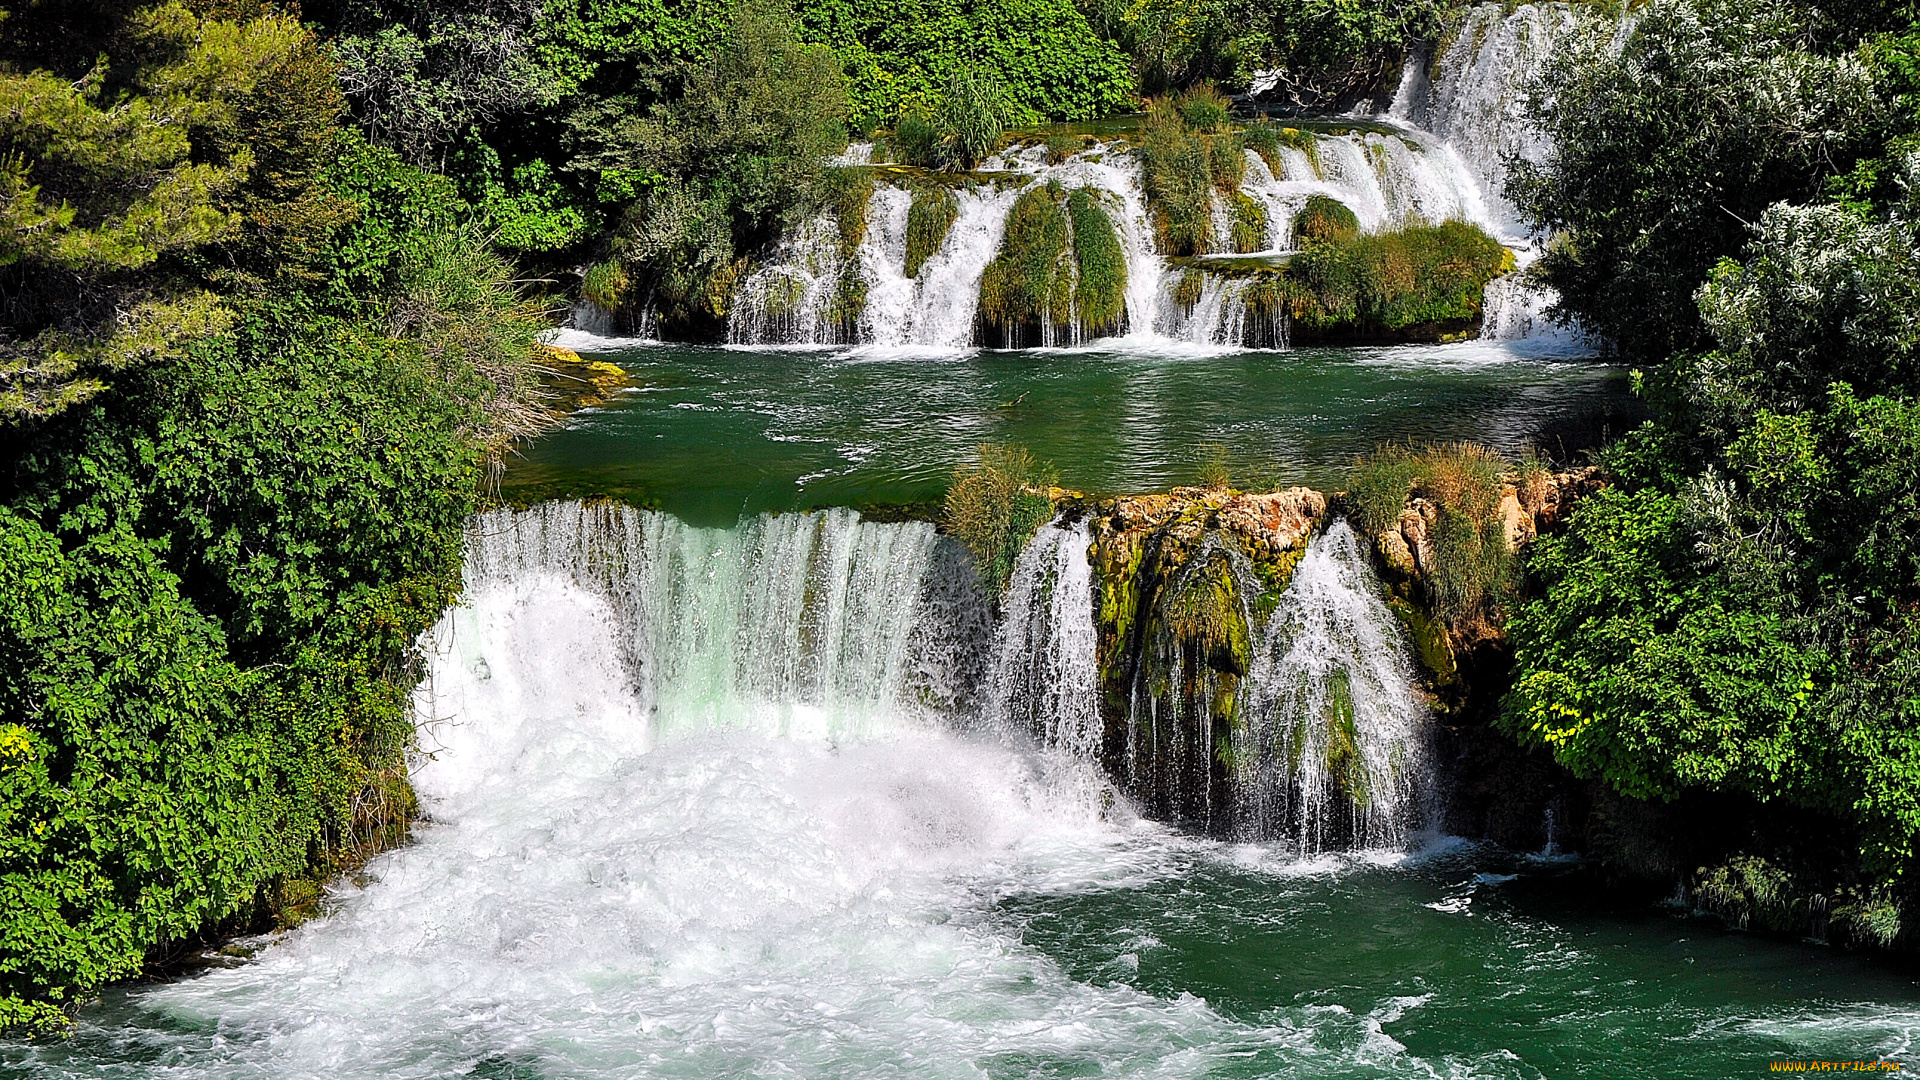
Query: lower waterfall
825	626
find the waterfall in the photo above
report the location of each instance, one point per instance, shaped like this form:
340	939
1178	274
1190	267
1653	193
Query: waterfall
1475	96
1045	680
1471	96
1227	313
1334	749
797	297
818	623
825	626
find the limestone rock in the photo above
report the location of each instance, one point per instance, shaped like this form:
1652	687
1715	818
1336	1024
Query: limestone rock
1281	521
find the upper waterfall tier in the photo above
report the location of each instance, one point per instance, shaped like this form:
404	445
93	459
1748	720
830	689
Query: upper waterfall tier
1471	95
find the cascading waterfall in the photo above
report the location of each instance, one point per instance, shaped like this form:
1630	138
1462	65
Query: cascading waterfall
1333	750
1475	97
796	298
827	626
816	624
1471	97
1045	680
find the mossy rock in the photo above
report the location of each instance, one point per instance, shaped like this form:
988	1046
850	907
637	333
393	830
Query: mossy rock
930	217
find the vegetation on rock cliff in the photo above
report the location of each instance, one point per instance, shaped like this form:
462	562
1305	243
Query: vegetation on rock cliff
994	507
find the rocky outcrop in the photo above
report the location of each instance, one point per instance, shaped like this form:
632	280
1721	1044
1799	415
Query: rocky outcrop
1185	582
572	382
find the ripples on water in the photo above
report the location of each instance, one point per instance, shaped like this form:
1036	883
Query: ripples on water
711	434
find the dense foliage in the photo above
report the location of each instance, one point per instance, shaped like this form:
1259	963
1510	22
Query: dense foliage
1736	616
254	369
1391	282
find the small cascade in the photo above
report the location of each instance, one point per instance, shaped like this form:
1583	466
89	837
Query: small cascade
1471	96
1474	99
1388	180
800	297
1230	311
1046	673
820	623
1333	750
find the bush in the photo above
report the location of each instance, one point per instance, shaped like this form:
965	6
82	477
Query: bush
1204	108
1420	276
1324	220
994	507
929	216
1178	173
916	138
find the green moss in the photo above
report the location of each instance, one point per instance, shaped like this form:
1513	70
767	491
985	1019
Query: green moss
1249	224
929	218
1029	284
1186	291
606	284
1324	220
1100	293
1430	642
852	191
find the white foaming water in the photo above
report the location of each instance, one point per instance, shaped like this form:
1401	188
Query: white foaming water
792	299
1045	681
1476	99
628	873
1333	715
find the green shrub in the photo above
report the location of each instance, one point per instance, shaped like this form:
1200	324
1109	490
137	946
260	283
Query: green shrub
994	507
1249	224
1263	138
916	138
1178	173
929	216
1204	108
1060	147
1100	294
1029	284
1226	161
1418	276
1324	220
972	117
1214	473
1473	571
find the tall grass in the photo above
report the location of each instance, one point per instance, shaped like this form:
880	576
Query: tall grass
994	507
1473	568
